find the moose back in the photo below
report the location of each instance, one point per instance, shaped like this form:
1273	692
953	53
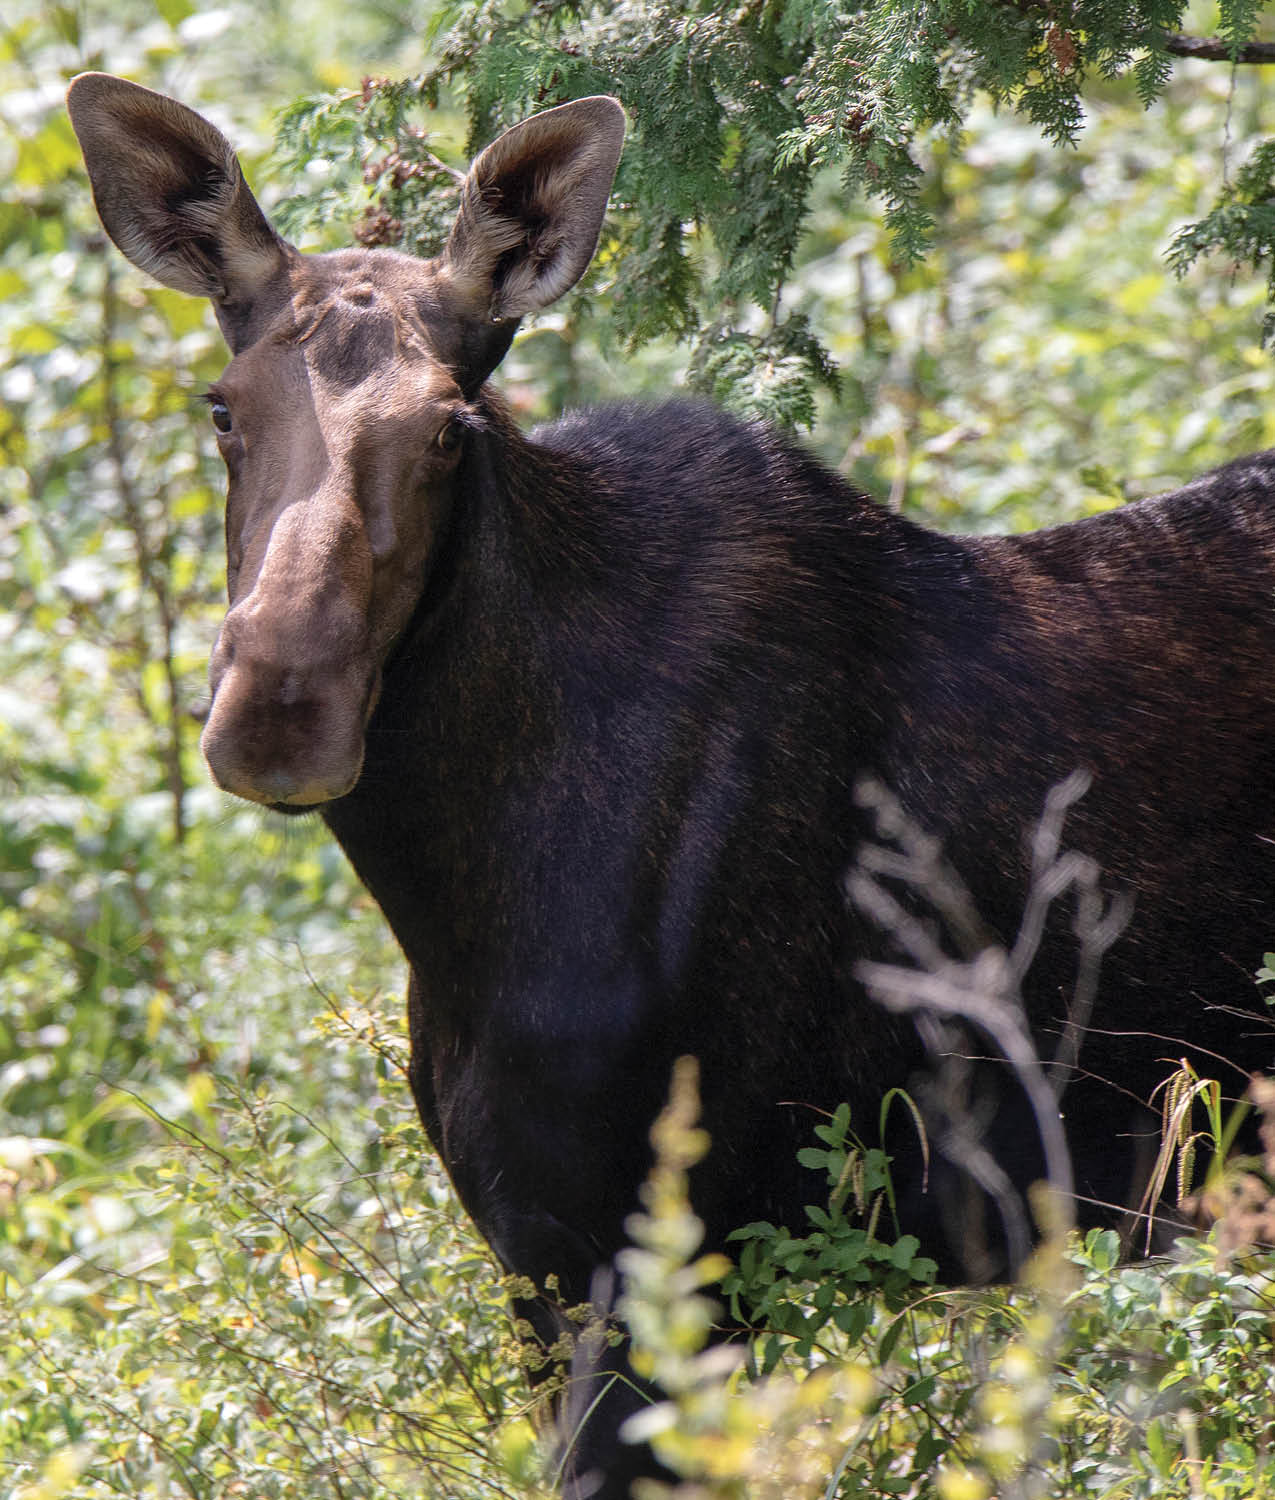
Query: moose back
586	708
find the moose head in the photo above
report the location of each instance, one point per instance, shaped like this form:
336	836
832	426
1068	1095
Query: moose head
343	413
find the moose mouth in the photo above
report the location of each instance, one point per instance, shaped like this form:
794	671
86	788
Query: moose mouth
292	751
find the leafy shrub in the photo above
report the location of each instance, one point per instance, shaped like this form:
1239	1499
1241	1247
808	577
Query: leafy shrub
1089	1378
266	1303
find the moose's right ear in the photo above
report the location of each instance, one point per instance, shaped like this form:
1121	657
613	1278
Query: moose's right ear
170	191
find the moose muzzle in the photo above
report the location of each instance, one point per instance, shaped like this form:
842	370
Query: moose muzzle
294	673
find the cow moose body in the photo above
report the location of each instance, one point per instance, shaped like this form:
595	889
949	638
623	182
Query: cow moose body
586	709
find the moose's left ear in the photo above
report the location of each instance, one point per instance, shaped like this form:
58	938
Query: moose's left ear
532	208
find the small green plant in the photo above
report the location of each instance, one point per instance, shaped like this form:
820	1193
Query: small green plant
793	1289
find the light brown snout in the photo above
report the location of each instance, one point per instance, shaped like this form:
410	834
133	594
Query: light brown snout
294	673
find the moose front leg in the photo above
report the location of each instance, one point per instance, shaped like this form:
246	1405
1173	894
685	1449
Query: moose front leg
603	1392
592	1461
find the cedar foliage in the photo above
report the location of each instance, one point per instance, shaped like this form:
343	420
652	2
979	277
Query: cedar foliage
734	109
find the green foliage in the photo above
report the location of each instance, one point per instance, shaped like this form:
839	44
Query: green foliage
1089	1378
1241	225
1006	384
797	1289
373	149
268	1302
227	1265
1166	1364
738	113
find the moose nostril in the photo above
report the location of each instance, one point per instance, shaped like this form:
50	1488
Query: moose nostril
278	785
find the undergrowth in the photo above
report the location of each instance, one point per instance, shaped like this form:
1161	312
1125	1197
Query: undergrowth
263	1308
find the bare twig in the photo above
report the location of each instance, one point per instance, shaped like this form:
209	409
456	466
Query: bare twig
981	992
984	987
1097	925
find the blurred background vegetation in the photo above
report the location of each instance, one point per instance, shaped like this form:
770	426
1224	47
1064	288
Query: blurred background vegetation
228	1264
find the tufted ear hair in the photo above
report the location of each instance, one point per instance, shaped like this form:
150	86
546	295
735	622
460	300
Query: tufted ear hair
170	192
532	208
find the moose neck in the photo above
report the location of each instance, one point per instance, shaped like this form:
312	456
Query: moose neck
471	700
588	600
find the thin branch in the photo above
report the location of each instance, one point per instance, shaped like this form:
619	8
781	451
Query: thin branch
152	572
985	988
979	992
1214	49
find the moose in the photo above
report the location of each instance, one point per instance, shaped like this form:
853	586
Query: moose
586	708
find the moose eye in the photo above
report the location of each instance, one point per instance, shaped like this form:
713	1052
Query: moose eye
221	418
451	436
